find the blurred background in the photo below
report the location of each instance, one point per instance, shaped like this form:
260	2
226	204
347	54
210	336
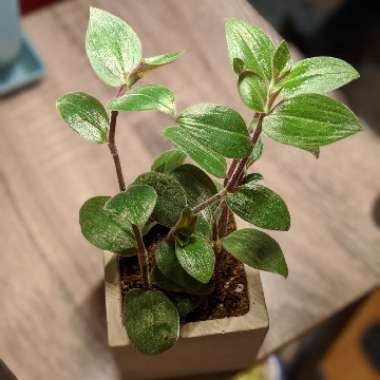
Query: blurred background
342	343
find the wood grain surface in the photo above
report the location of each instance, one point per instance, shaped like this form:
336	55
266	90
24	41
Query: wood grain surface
52	322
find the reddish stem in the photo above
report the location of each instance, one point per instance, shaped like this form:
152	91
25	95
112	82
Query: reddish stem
236	175
112	145
142	255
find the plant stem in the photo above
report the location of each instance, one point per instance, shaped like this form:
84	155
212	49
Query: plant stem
112	145
236	175
142	256
231	170
208	202
223	221
114	152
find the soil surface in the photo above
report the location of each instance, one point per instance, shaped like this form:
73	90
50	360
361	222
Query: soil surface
230	295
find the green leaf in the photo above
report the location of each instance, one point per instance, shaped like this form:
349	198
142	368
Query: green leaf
203	226
314	150
85	115
309	121
214	163
158	279
133	206
256	153
190	223
170	267
281	59
168	161
100	229
171	198
185	305
257	150
112	47
185	226
197	258
260	206
151	97
253	91
256	249
197	185
238	66
152	63
163	59
251	45
220	128
151	320
252	179
317	75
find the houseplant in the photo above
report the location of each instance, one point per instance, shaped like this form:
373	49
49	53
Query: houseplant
172	228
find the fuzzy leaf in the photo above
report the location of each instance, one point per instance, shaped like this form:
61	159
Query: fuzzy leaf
185	305
190	223
168	161
185	226
158	279
100	229
151	320
85	115
251	45
163	59
197	258
203	226
238	66
252	179
171	198
220	128
214	163
152	63
281	58
257	150
315	151
151	97
260	206
256	249
133	206
317	75
197	185
170	267
253	91
256	153
309	121
112	47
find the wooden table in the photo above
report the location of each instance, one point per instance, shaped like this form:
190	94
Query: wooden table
52	323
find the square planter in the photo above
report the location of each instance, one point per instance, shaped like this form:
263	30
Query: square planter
204	347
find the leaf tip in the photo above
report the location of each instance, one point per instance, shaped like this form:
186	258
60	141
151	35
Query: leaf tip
284	271
180	53
360	127
94	12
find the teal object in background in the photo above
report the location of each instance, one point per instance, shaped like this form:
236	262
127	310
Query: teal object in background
10	34
19	62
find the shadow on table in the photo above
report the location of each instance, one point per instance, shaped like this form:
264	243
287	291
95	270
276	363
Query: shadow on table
376	211
90	320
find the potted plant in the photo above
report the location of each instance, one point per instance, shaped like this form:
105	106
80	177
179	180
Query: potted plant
176	263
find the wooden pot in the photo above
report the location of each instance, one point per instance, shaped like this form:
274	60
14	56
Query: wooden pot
204	347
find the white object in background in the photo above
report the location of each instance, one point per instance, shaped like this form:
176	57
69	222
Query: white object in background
10	31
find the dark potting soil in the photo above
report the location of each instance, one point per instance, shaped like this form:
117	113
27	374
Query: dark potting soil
230	295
